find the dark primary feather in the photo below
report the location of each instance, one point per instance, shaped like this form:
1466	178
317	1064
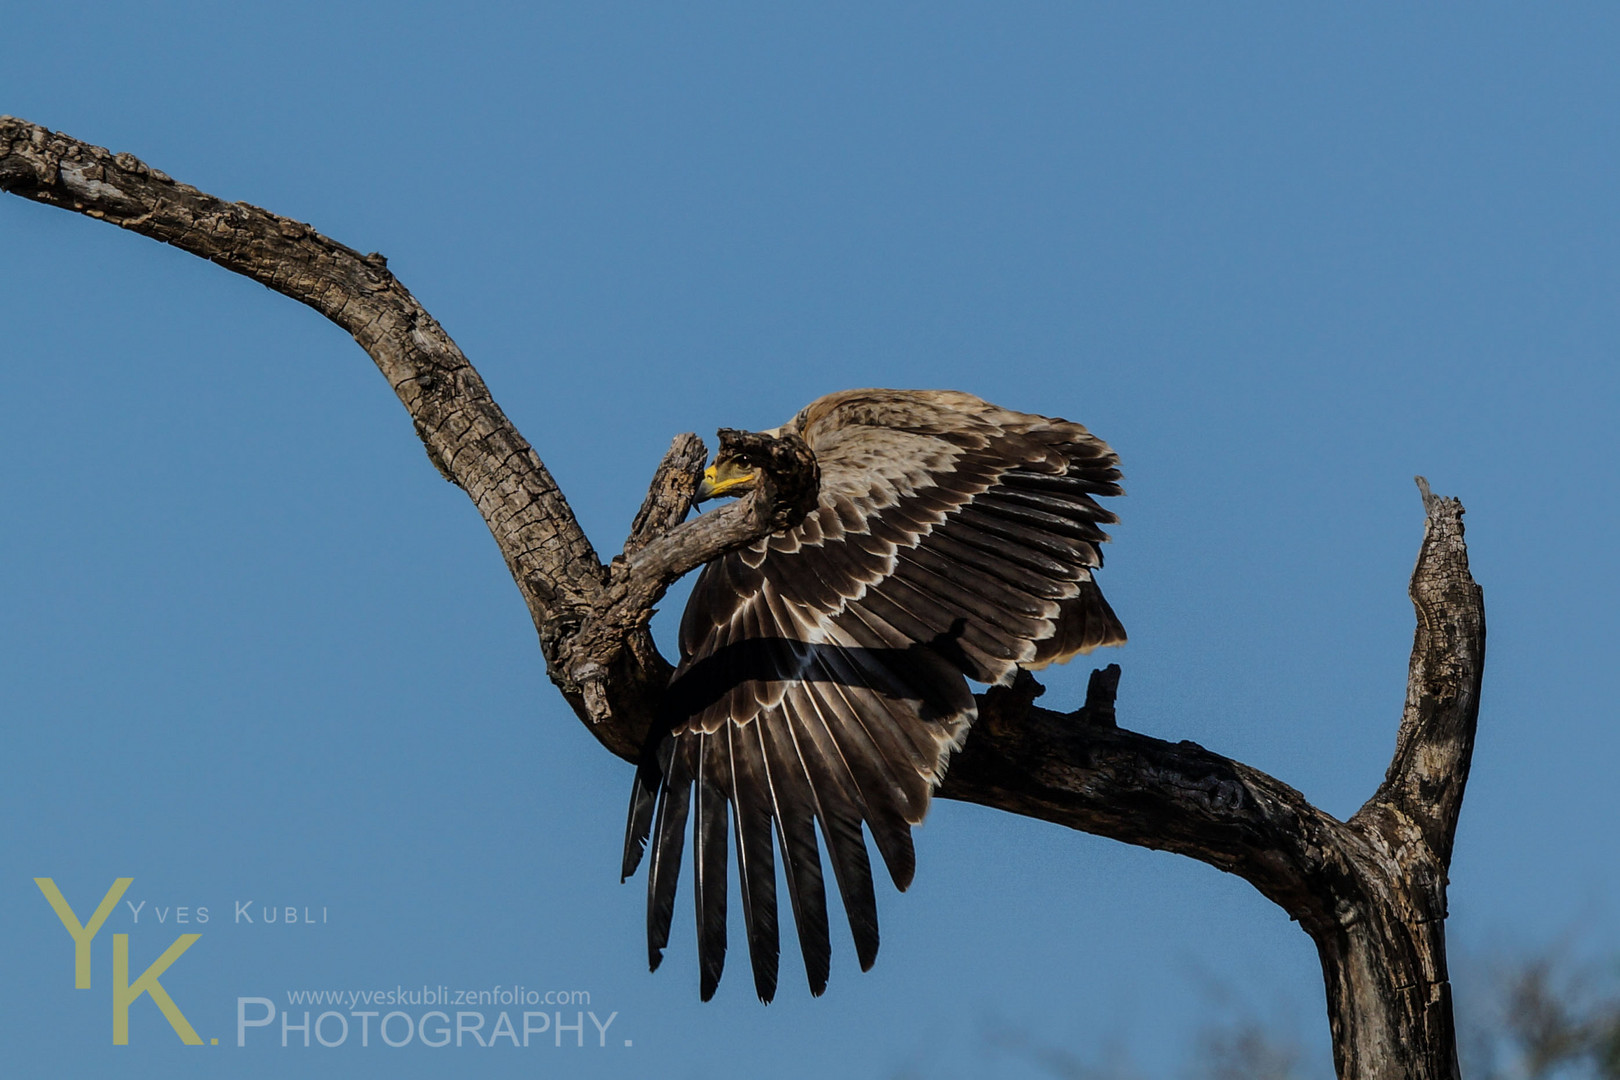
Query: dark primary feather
669	835
839	809
709	862
823	674
793	806
756	863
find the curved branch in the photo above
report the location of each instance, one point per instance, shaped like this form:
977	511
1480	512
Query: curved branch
662	549
789	482
467	436
613	675
1069	769
1370	891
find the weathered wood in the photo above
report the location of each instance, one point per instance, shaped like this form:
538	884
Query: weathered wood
662	549
1370	891
612	683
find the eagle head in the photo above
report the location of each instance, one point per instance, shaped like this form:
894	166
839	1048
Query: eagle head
727	476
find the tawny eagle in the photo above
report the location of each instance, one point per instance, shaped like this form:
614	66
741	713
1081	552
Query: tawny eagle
824	670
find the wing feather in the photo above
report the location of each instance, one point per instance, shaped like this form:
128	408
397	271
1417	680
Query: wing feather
756	862
823	670
840	810
709	860
890	799
674	797
793	804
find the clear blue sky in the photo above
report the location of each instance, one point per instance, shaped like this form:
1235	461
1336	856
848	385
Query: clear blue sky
252	647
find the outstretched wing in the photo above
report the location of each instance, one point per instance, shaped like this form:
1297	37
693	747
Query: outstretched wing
823	671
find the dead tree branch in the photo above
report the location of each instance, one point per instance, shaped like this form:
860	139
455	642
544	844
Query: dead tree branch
1370	891
591	618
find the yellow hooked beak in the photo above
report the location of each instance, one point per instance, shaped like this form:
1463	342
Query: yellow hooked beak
725	478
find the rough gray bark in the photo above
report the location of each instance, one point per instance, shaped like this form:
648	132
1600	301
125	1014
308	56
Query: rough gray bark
1370	891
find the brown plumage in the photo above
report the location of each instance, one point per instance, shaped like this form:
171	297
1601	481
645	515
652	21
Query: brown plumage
823	674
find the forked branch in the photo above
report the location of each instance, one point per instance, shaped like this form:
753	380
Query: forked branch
1370	891
591	618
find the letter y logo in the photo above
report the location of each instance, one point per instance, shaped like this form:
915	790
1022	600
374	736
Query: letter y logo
81	933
